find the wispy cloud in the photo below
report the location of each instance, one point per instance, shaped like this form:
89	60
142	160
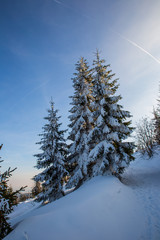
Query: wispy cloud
30	92
62	4
57	1
73	9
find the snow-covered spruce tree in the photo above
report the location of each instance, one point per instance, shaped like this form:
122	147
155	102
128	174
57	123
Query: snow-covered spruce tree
156	120
110	152
52	158
80	123
7	200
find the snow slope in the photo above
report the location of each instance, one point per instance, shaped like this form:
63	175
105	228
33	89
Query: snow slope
22	210
143	176
103	209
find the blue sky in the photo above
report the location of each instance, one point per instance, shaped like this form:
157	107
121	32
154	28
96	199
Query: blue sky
41	40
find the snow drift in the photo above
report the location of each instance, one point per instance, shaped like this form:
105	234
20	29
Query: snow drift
103	208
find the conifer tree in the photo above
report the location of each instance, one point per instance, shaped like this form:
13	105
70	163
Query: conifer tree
157	123
80	123
110	152
36	189
7	200
52	158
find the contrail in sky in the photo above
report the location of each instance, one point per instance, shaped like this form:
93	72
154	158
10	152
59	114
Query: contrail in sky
128	40
136	45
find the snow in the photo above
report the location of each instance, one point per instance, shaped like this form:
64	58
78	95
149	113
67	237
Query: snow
103	208
22	210
4	203
100	121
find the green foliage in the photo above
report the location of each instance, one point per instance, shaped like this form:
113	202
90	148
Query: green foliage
8	198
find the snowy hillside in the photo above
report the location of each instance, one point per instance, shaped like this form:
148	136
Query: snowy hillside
103	209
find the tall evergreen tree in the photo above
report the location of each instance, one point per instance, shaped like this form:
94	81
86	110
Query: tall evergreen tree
52	158
80	123
8	199
110	152
157	123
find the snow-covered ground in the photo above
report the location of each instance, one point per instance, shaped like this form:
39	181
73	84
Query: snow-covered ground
22	210
102	209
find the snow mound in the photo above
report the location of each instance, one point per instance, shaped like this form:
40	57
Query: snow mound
103	208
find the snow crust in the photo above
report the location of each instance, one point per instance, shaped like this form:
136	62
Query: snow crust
103	208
